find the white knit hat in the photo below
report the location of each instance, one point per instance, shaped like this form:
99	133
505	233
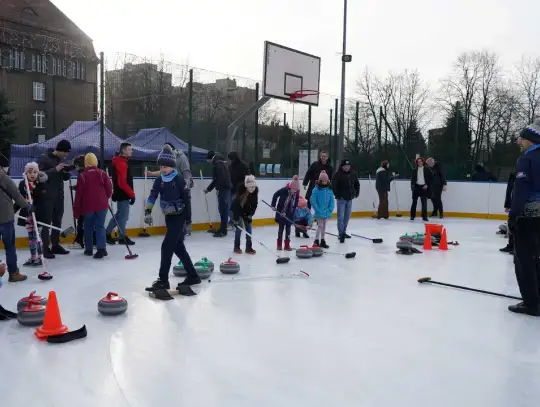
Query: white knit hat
250	181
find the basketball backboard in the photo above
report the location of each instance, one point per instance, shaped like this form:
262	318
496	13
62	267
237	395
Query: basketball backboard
287	70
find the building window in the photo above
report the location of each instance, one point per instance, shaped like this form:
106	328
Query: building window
41	138
53	66
43	64
77	70
39	91
33	62
16	59
71	70
83	73
39	63
39	119
64	68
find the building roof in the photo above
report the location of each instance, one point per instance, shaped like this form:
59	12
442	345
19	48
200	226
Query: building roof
43	15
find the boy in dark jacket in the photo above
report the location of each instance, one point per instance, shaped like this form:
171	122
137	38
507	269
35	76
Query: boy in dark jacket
507	205
346	187
285	202
383	180
57	172
78	163
238	171
9	193
221	180
171	190
244	207
524	221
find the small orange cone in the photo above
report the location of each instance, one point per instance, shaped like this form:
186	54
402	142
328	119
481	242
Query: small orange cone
52	323
443	244
427	240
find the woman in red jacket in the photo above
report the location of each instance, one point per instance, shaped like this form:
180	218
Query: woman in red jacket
94	188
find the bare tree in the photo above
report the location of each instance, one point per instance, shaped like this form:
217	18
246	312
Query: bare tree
527	82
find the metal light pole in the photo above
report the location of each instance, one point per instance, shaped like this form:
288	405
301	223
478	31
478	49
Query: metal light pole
344	59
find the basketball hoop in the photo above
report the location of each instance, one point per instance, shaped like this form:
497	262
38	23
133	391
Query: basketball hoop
299	94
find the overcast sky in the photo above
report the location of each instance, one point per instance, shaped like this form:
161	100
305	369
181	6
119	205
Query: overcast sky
228	36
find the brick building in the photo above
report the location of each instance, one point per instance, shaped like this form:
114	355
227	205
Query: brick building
48	69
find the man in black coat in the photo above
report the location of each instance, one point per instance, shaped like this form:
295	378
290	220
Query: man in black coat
507	205
221	181
238	171
57	172
346	187
437	187
313	172
421	180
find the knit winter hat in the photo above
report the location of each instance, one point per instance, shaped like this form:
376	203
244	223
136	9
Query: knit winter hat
531	132
345	162
302	203
90	160
294	185
166	158
31	166
210	154
323	176
63	146
250	181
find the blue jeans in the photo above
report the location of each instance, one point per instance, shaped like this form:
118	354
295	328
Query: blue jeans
7	233
233	196
224	199
238	233
94	221
343	214
122	216
173	243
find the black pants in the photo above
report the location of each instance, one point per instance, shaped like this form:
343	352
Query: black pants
418	192
298	231
224	201
287	228
53	213
436	199
526	261
173	243
187	210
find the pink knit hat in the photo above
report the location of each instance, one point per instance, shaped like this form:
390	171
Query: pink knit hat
31	166
323	176
302	203
294	185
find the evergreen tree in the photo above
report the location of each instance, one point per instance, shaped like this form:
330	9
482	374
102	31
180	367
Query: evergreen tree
7	125
414	142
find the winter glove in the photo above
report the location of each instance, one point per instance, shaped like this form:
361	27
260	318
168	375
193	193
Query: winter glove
132	201
148	217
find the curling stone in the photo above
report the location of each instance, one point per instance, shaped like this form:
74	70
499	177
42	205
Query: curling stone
503	229
229	267
38	299
406	247
407	237
203	271
112	304
32	314
419	240
179	270
304	253
317	251
205	262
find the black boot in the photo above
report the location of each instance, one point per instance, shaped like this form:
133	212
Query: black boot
342	238
349	236
507	249
7	314
304	234
522	308
101	253
297	232
126	240
110	239
57	249
324	245
191	280
158	285
316	243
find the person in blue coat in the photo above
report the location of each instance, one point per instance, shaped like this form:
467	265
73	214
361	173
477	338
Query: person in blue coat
524	221
285	202
322	203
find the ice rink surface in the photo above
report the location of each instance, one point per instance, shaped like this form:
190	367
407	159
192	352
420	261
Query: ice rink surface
354	333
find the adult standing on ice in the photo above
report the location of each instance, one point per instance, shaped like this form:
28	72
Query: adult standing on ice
437	187
421	180
312	175
221	181
383	180
509	248
346	187
123	194
57	172
171	190
524	221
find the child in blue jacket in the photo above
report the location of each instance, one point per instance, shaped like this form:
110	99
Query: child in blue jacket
322	203
302	216
170	187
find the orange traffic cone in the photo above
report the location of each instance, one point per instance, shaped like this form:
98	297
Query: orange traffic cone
427	239
52	323
443	244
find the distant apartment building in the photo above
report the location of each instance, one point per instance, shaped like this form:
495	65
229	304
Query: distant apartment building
48	69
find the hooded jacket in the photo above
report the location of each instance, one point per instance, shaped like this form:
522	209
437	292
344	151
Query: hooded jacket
238	170
38	198
47	163
94	188
345	184
122	179
285	201
183	168
9	193
221	180
250	205
383	179
322	202
312	174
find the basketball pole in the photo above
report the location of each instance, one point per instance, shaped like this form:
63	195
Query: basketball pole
341	138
